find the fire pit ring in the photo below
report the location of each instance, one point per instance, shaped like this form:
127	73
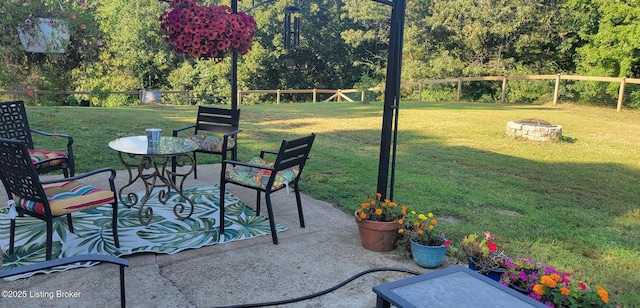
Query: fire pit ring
534	129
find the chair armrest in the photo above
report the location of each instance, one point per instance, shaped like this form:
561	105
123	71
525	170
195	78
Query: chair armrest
64	261
84	175
234	162
233	132
175	131
267	152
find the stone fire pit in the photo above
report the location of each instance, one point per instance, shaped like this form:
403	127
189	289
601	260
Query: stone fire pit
534	129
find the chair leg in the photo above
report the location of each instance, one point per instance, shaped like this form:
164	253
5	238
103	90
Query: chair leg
299	202
272	223
195	166
49	238
257	202
114	224
12	234
221	210
70	223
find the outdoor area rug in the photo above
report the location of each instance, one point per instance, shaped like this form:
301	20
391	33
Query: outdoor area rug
164	234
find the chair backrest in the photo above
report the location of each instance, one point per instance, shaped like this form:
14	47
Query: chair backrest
292	153
14	123
18	173
217	120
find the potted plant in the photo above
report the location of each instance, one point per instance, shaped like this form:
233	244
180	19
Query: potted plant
377	221
428	248
523	273
206	32
482	255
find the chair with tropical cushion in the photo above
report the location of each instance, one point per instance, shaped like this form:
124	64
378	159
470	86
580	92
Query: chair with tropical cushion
216	131
15	125
282	170
48	200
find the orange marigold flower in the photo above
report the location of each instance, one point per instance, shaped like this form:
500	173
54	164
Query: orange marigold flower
364	205
378	211
604	295
363	215
420	231
555	277
430	227
548	281
416	223
539	289
433	221
400	230
373	202
565	291
378	195
30	93
404	210
401	221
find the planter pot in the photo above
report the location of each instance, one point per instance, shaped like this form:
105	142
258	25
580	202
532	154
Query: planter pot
520	289
428	256
493	274
378	236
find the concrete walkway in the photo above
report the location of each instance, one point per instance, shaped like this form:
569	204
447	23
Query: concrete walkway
309	260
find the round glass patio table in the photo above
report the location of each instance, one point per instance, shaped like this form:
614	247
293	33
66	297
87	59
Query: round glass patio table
151	165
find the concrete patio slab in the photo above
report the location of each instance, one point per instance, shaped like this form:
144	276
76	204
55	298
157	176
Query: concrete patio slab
307	261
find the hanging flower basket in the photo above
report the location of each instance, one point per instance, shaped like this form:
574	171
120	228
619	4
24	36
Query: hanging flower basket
206	32
44	35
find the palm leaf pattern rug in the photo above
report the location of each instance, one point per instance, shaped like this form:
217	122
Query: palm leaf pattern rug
164	234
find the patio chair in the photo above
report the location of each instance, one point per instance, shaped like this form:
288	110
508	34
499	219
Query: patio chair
15	125
216	131
47	200
264	176
70	260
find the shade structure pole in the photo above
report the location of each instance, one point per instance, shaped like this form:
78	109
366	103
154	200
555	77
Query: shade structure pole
391	100
234	67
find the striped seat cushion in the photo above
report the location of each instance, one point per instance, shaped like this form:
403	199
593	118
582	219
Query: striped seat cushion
256	177
37	156
68	197
211	144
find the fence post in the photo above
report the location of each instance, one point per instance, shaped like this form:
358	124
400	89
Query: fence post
278	96
504	88
315	94
362	96
459	89
35	95
420	91
621	93
556	90
339	96
239	97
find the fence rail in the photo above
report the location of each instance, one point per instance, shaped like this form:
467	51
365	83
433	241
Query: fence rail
339	94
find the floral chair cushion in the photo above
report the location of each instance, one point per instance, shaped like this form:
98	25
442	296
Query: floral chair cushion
211	144
256	177
38	156
68	197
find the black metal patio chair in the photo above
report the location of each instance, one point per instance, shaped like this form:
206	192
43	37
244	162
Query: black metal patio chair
216	131
47	200
15	125
70	260
265	176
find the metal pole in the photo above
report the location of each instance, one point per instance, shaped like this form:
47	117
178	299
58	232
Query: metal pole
391	96
234	67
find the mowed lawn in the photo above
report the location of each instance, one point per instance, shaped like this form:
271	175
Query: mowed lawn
572	205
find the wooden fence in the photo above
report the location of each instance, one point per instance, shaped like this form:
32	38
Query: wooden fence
339	94
505	79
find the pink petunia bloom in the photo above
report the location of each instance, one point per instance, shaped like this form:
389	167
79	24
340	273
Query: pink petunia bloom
488	235
100	43
74	16
52	22
27	21
83	26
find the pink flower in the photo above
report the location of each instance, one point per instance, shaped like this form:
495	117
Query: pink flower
100	43
52	22
74	16
27	21
488	235
83	26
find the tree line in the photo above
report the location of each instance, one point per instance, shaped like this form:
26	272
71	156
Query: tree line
343	44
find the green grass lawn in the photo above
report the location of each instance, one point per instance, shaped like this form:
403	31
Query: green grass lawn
570	205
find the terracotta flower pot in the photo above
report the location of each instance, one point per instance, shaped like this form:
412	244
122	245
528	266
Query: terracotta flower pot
378	236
